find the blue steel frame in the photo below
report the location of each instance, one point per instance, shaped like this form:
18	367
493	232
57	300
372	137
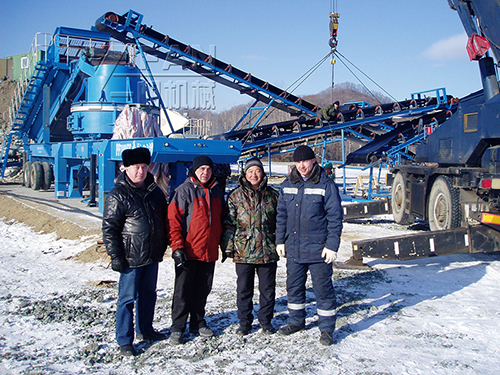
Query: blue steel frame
133	25
69	158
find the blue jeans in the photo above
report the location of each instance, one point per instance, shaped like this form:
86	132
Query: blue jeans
136	286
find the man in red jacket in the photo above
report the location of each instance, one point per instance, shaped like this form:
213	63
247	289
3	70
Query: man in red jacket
195	218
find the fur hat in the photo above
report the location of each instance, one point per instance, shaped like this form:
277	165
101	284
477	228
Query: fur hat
303	153
201	160
253	162
140	155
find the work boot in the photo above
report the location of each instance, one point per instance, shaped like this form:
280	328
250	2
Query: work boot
267	329
176	338
127	350
153	336
326	338
289	329
243	330
205	332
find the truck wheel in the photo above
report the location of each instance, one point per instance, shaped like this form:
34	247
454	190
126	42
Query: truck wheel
27	174
444	205
399	201
48	175
36	175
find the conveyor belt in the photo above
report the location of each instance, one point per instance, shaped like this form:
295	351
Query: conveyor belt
378	127
128	29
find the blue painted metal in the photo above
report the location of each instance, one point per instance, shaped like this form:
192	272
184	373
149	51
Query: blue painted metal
179	53
441	97
361	104
69	72
247	113
99	93
334	127
71	158
153	83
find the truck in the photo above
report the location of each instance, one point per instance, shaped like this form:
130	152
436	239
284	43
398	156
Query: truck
453	182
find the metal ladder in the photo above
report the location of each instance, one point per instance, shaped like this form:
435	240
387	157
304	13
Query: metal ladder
25	96
28	89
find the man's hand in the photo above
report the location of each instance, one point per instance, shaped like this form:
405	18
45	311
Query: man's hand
280	249
226	254
180	257
118	264
328	255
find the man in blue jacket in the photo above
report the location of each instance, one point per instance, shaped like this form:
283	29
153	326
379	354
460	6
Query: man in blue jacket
308	229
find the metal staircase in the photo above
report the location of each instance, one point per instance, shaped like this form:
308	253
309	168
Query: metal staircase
27	91
26	95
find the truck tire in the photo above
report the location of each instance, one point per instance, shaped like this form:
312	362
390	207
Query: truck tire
36	175
399	201
27	174
444	205
48	175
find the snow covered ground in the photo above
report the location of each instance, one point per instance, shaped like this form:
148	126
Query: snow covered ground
428	316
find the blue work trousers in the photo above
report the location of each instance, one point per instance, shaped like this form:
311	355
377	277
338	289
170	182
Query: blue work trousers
137	286
321	275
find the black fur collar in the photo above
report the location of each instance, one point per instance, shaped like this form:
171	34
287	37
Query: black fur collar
314	178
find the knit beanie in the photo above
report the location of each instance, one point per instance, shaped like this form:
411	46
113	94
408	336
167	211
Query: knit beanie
253	162
303	153
201	160
140	155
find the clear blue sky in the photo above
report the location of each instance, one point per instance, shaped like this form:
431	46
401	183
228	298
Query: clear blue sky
405	46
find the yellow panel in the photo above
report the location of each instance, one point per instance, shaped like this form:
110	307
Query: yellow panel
490	219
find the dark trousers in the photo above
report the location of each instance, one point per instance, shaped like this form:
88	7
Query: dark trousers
193	283
321	275
267	290
136	286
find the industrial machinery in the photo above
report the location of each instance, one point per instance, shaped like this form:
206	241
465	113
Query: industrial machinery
65	122
454	181
64	119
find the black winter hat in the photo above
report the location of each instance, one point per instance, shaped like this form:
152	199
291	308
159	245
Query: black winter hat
201	160
136	156
253	162
303	153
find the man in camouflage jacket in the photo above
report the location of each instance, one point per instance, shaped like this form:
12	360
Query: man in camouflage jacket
249	238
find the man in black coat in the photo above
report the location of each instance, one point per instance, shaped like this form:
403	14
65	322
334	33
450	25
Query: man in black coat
135	231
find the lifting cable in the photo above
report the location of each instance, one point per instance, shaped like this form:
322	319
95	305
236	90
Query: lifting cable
307	74
332	42
334	25
296	83
342	57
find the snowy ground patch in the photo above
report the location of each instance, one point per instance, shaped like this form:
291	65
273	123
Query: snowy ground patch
428	316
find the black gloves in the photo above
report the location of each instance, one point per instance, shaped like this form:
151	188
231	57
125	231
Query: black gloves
180	257
226	254
119	264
